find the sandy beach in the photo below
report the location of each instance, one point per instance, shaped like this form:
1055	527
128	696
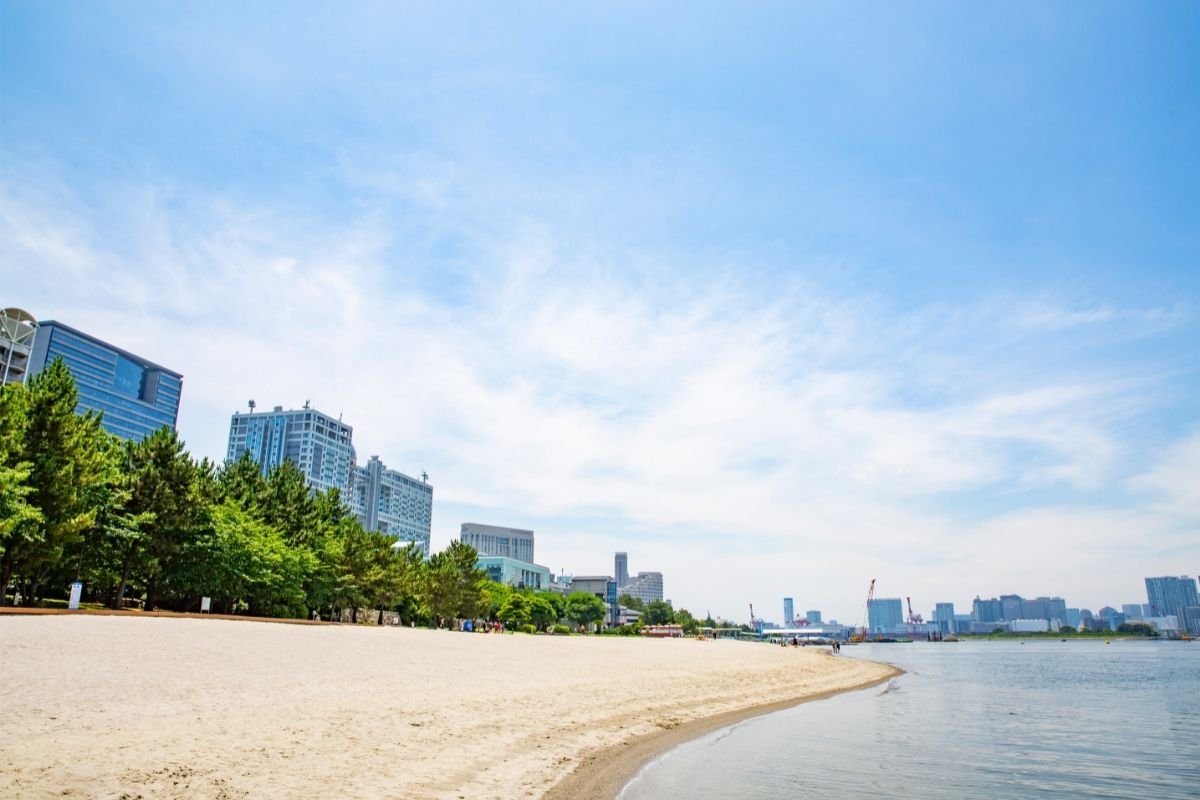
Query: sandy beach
122	707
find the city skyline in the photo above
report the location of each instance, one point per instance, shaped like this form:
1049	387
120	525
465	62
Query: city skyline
775	288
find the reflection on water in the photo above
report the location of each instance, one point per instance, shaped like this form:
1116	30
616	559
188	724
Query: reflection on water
1075	719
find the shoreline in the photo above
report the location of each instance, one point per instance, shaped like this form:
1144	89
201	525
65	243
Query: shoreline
604	773
109	706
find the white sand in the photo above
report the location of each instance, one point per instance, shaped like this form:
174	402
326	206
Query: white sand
120	707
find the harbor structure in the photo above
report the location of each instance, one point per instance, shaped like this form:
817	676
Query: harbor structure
135	395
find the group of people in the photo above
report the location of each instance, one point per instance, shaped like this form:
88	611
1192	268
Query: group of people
795	642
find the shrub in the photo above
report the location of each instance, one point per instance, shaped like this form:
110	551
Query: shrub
561	630
528	629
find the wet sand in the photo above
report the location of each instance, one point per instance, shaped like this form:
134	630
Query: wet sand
129	707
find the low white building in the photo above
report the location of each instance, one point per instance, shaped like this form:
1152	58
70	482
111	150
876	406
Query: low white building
1032	625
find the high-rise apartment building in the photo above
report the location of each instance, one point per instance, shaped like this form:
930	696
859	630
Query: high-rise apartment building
646	586
136	396
493	540
789	612
392	503
884	614
813	616
1169	595
316	443
18	329
621	569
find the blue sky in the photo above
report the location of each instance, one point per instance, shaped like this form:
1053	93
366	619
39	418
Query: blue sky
776	298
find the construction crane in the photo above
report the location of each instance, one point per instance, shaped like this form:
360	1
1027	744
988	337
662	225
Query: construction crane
913	619
861	635
755	623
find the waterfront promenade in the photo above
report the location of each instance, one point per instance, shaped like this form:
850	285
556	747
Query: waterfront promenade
121	706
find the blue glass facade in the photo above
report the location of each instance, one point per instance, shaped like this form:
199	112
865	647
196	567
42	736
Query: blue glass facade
137	397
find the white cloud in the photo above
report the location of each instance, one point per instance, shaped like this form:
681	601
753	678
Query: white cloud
1174	481
734	438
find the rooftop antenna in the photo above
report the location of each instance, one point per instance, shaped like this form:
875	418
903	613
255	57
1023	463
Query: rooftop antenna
252	404
424	476
306	402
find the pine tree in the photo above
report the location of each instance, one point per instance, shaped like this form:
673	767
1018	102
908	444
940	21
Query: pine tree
66	456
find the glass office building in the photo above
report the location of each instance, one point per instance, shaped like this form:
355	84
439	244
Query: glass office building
136	396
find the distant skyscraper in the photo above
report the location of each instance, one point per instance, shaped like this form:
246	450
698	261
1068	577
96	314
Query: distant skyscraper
1189	619
813	616
621	569
1011	607
789	613
987	610
493	540
1132	610
137	397
18	329
316	443
1047	608
1169	595
392	503
885	613
646	586
943	615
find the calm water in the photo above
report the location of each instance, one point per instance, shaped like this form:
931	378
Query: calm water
968	720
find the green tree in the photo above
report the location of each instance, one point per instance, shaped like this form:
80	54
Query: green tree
584	608
542	612
241	482
165	492
65	459
17	517
494	595
455	585
515	611
658	612
401	578
686	621
288	504
354	550
629	601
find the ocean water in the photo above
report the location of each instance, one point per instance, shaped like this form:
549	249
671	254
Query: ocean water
1075	719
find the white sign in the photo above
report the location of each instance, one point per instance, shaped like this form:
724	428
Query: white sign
76	592
205	604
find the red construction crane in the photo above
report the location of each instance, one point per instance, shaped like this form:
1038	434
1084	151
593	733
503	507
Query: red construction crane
913	619
866	614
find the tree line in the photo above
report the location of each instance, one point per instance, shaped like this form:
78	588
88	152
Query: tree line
146	523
